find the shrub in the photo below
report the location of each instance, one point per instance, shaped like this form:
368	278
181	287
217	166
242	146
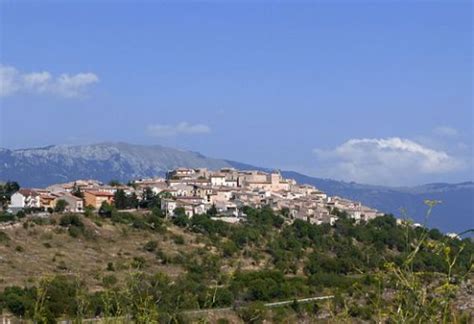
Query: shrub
181	220
75	231
110	266
150	246
6	217
60	206
71	220
109	281
4	237
229	248
19	301
178	239
254	313
138	262
40	220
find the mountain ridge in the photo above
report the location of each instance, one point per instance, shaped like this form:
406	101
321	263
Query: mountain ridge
39	167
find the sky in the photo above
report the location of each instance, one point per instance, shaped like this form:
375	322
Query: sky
375	92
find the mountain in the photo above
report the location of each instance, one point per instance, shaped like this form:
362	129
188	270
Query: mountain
39	167
455	213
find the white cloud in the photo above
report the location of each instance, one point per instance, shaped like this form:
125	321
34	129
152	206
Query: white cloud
158	130
391	161
13	81
446	131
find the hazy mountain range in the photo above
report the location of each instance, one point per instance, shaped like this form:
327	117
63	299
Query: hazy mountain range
39	167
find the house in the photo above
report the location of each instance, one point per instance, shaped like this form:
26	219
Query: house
47	199
168	205
221	195
96	198
182	190
180	173
74	204
218	180
233	183
25	198
192	207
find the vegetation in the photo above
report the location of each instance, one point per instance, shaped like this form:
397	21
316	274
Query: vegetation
163	270
60	206
6	191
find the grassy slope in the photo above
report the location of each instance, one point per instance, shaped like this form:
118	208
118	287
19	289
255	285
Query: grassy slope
44	250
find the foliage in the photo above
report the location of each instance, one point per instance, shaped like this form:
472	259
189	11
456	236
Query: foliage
6	191
73	223
60	206
150	200
76	191
124	201
379	271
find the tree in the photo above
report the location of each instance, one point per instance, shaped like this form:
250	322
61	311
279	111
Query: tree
132	201
180	218
6	191
60	206
120	199
89	210
114	183
106	210
212	211
76	191
150	199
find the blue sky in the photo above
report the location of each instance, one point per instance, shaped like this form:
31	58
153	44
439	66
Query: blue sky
374	92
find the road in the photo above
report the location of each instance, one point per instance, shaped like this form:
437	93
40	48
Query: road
268	305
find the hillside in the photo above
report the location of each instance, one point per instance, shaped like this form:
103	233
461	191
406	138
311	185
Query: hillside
139	264
39	167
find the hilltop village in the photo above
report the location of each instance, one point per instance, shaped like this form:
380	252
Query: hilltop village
196	191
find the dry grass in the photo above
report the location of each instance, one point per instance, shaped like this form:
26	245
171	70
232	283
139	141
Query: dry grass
44	250
39	251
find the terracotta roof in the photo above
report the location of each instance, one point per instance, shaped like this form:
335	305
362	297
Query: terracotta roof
100	193
28	192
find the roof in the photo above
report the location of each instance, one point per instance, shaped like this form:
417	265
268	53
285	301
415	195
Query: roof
100	193
70	197
28	192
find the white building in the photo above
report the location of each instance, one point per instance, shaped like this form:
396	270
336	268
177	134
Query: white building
25	198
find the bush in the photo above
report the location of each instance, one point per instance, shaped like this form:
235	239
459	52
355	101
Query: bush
178	239
60	206
229	248
4	237
19	301
181	220
71	220
138	262
75	231
150	246
254	313
110	266
6	217
109	281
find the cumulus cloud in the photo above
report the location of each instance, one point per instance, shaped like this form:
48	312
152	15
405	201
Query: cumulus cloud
385	161
159	130
13	81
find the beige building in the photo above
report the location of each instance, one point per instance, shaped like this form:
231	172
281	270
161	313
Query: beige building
96	198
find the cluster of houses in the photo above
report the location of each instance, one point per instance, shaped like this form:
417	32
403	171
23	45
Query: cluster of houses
198	190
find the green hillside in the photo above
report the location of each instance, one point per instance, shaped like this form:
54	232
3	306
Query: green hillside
139	267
